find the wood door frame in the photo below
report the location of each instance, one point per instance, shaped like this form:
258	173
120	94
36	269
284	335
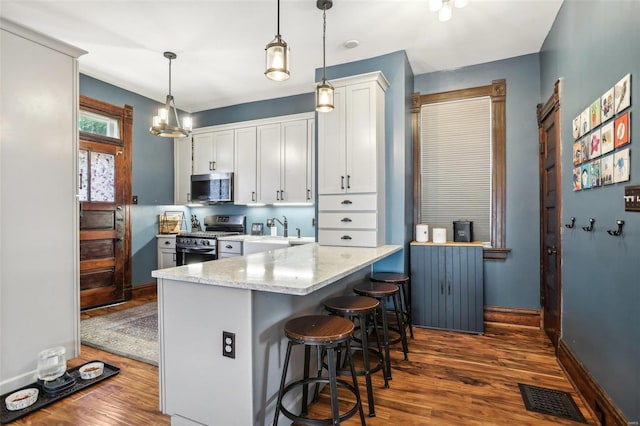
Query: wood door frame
552	106
124	115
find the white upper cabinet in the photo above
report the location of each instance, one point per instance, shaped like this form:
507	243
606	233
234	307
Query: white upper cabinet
182	169
245	177
272	159
213	152
351	152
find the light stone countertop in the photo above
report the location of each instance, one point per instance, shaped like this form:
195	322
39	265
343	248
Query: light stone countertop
298	270
268	238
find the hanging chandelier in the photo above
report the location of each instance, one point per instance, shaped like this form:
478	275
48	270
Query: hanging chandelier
324	90
161	125
444	8
277	56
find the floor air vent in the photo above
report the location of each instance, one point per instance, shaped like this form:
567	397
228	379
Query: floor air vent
550	401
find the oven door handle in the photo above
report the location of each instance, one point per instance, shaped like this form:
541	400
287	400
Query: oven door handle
195	250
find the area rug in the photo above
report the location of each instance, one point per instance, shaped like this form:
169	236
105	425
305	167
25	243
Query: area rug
550	401
132	332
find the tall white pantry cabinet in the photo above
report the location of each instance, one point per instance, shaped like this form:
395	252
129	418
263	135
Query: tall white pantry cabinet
39	295
351	164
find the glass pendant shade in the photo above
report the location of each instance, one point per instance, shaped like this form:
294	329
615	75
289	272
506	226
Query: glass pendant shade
435	5
324	97
445	12
277	67
161	123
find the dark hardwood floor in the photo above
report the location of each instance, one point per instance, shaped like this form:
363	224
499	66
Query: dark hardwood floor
450	379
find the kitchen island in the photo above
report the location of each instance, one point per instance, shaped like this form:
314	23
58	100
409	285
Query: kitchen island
252	297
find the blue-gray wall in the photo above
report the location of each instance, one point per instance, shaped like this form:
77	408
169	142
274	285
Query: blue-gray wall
514	282
590	47
152	174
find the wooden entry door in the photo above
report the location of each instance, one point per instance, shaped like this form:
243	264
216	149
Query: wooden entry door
105	190
550	179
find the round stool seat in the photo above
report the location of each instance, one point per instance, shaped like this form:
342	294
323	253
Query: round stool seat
319	329
375	289
389	277
352	305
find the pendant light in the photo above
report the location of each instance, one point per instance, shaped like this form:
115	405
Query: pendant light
161	125
444	8
277	56
324	90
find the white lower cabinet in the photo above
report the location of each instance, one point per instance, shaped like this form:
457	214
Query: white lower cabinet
229	248
166	251
350	220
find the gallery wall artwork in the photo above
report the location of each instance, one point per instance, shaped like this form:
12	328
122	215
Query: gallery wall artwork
601	133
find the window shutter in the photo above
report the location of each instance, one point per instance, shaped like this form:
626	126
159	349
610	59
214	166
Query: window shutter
456	165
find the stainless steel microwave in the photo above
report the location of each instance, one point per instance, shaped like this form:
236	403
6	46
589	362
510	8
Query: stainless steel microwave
212	188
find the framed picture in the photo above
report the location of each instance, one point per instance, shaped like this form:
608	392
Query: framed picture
577	153
623	93
585	122
595	173
585	149
606	170
585	176
621	130
621	166
607	107
576	127
594	146
606	138
594	113
576	178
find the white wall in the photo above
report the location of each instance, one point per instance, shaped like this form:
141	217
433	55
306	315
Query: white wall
39	294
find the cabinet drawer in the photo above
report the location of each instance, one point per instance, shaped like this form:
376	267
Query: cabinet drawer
348	202
167	242
229	247
347	220
347	237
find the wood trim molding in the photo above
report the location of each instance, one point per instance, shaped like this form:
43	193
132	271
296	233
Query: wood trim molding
512	316
144	290
601	406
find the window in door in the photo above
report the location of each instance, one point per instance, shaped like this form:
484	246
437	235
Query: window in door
459	162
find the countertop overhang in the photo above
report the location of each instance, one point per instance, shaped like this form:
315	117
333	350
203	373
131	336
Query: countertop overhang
296	270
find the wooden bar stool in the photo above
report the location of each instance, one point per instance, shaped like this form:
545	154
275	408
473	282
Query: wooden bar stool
402	281
326	333
364	309
385	292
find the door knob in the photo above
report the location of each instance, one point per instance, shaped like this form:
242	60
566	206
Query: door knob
552	250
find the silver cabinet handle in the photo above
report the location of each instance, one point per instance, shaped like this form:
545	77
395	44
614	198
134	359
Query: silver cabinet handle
167	242
278	195
346	237
228	246
341	182
214	165
348	181
80	181
346	202
308	194
345	219
253	195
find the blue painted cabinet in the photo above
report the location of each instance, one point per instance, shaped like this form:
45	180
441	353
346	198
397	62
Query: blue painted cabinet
447	286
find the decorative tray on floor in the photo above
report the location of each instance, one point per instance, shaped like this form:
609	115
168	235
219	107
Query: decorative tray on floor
44	399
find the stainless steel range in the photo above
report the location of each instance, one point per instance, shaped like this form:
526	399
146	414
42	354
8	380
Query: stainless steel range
202	246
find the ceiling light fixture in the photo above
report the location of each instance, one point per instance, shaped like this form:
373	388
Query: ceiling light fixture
277	56
324	90
444	7
161	123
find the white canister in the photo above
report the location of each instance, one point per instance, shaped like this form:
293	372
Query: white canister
439	235
422	233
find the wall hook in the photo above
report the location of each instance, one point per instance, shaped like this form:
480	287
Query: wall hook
616	232
572	224
590	227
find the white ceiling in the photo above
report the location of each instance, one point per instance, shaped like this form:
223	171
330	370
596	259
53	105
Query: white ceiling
220	43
